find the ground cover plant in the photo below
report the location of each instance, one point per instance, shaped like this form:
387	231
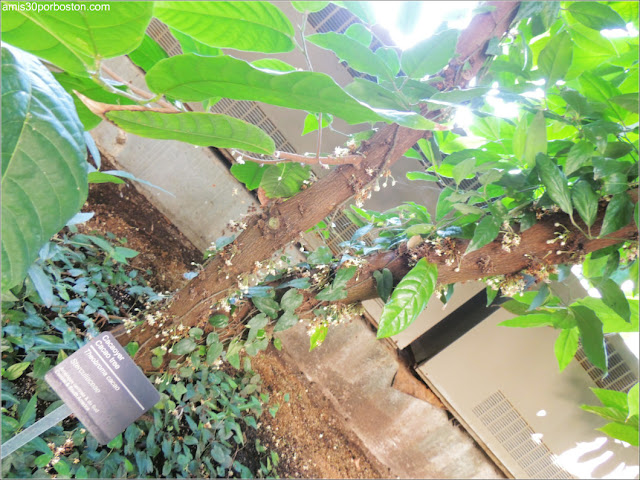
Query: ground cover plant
555	185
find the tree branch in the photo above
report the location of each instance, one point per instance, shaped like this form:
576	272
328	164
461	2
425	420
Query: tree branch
259	241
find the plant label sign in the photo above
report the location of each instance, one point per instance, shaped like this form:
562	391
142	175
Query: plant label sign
103	387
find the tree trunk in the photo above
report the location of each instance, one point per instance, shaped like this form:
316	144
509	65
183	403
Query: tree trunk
192	305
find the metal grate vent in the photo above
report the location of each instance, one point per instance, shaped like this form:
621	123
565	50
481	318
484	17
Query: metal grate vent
620	376
517	437
161	34
342	232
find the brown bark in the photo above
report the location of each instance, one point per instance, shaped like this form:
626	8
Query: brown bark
192	305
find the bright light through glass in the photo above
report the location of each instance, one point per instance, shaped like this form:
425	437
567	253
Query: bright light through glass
432	14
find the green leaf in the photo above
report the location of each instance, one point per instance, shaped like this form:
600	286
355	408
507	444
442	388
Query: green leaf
566	346
444	206
608	413
624	432
612	398
336	290
591	336
101	177
628	101
42	284
586	201
618	214
358	56
532	320
612	322
14	371
184	347
63	468
321	256
214	351
408	299
197	128
595	15
389	56
360	33
147	54
284	180
78	40
287	320
578	156
419	229
190	45
555	59
374	95
363	10
598	89
318	336
267	306
274	65
248	26
429	56
456	97
384	283
536	140
44	180
311	123
464	169
29	413
615	183
116	442
632	401
291	300
422	176
555	182
615	298
486	232
194	78
249	173
309	6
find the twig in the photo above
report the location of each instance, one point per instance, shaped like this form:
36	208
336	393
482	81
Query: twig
138	91
284	157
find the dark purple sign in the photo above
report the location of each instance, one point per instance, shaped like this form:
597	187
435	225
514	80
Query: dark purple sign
103	387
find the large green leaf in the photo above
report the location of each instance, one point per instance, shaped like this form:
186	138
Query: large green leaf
555	182
632	400
585	200
486	231
429	56
374	95
408	299
614	297
197	128
566	346
77	40
44	180
283	180
579	154
249	26
618	214
309	6
555	59
190	45
92	90
147	54
536	140
596	15
591	336
358	56
612	322
194	78
624	432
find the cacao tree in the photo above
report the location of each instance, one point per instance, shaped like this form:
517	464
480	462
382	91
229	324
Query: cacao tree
523	197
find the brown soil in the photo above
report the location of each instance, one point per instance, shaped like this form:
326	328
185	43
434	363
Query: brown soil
309	436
